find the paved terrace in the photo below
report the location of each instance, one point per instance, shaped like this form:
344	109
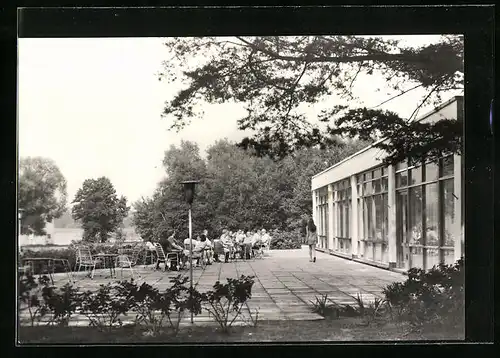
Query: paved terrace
285	282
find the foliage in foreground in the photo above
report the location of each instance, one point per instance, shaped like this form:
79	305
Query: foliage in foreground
273	76
106	307
433	296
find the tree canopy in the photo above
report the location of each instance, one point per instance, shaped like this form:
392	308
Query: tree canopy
99	209
42	194
237	190
273	77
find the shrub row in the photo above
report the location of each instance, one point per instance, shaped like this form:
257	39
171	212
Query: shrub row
69	254
282	240
106	307
432	296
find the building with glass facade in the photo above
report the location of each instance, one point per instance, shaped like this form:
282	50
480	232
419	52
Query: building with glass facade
395	216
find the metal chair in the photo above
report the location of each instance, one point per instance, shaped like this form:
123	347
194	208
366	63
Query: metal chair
84	259
160	257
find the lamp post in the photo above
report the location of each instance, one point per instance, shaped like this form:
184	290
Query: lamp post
189	186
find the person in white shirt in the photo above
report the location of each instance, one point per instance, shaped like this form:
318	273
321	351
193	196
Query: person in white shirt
266	239
247	244
228	245
210	248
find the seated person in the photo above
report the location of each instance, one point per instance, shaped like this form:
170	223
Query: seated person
266	239
256	243
228	246
170	245
247	244
218	248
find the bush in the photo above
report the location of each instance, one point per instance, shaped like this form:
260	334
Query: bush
69	254
66	254
324	308
435	295
227	300
285	240
152	306
62	303
29	293
105	306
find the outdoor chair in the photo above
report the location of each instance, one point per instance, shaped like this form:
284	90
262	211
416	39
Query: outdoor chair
123	261
84	259
160	257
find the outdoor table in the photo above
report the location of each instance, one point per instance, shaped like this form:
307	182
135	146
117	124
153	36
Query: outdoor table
110	259
50	265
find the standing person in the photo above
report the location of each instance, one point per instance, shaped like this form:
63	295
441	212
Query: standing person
312	239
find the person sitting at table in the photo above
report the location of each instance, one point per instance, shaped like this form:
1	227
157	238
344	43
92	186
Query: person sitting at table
227	245
199	250
256	242
218	248
170	245
247	244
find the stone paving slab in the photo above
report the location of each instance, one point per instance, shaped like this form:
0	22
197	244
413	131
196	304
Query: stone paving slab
285	281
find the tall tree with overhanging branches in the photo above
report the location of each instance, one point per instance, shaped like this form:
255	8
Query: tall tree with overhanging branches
274	76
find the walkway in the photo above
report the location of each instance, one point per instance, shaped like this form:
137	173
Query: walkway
285	282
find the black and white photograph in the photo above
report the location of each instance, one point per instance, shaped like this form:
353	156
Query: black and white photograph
305	188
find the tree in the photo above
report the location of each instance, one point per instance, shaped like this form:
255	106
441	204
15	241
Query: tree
274	76
42	194
99	209
167	210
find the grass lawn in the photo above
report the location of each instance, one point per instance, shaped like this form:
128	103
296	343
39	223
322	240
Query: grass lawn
267	331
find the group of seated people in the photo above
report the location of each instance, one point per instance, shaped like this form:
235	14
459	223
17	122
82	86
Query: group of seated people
229	244
240	243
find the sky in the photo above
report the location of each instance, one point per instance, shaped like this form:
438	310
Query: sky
94	106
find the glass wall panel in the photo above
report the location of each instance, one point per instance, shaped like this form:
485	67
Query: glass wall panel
447	166
432	214
402	179
448	212
416	216
431	171
430	203
415	176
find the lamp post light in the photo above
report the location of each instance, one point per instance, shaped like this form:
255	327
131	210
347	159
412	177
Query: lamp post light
189	186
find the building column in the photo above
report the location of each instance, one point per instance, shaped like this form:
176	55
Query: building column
458	232
354	217
391	218
335	223
331	235
314	211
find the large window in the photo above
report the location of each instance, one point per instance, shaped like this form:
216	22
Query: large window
373	200
342	197
322	216
430	200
